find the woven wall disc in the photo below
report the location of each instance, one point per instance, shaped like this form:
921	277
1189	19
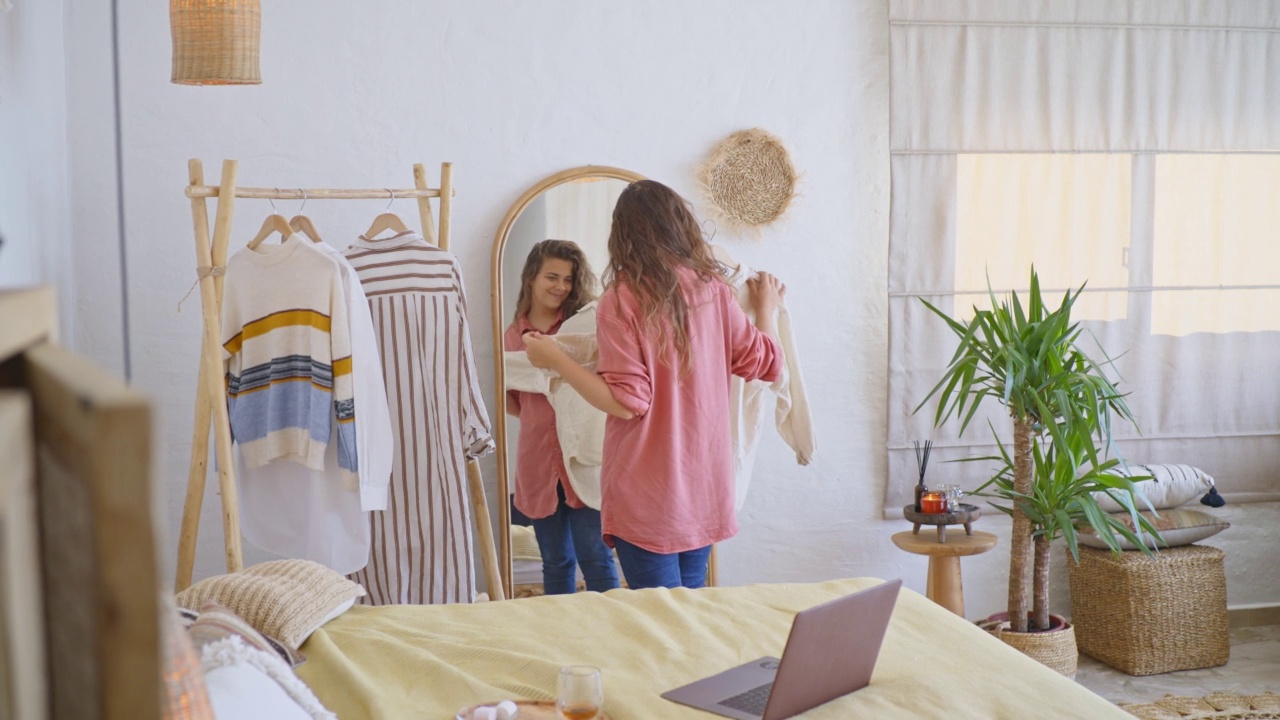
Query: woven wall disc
748	180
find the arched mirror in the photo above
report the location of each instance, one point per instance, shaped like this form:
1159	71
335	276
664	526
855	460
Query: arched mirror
574	205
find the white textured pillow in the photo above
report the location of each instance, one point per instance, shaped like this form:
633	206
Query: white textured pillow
1170	486
245	683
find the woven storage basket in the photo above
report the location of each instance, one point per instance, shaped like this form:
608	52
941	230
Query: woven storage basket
215	42
1144	616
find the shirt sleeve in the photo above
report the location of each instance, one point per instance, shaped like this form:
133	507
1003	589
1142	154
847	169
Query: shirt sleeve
511	341
478	434
622	358
792	414
344	403
753	355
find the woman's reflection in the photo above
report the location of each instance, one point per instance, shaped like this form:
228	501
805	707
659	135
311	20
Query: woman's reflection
556	284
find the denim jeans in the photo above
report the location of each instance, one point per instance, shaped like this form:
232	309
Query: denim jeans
645	569
568	538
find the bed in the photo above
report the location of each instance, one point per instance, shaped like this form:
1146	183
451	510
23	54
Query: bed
81	443
430	661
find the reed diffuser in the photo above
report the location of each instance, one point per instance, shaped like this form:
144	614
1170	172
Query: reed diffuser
922	463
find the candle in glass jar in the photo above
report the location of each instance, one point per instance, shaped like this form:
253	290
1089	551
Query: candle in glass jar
933	503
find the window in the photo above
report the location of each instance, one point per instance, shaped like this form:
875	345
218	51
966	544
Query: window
1066	214
1217	244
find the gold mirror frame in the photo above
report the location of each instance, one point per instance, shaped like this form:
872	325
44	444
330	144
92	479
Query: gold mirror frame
499	324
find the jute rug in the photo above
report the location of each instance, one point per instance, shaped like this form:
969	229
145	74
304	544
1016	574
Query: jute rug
1214	706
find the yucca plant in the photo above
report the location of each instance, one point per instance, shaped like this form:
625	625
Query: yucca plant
1061	404
1061	500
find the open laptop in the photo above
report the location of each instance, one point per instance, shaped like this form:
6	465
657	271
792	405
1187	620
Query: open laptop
830	652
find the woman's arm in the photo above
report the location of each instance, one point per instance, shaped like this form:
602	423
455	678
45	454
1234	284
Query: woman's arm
545	353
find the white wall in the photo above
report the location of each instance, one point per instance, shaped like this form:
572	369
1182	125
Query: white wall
34	216
354	93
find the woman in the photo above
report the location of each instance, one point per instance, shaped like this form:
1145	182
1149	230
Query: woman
670	334
555	284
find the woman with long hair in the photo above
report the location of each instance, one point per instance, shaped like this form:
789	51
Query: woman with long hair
556	283
670	335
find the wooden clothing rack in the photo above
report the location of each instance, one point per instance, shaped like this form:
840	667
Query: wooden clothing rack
211	390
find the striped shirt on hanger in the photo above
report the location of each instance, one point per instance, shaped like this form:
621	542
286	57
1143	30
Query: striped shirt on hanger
422	544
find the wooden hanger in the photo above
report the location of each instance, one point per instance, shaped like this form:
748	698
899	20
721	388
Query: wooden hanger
386	221
303	224
275	222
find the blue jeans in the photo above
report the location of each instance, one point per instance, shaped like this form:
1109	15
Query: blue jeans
570	537
646	569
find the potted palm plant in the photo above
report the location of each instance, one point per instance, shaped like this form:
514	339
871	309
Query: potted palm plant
1061	404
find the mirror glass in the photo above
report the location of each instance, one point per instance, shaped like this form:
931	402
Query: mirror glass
577	206
580	210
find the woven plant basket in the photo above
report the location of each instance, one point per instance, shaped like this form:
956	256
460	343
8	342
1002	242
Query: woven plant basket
748	181
1147	615
1054	648
215	42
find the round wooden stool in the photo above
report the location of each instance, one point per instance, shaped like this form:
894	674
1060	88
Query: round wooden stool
944	585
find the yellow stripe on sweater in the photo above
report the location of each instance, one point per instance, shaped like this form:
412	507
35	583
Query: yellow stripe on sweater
342	366
284	318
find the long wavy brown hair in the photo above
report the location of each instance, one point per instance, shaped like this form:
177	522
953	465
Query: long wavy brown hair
654	234
584	281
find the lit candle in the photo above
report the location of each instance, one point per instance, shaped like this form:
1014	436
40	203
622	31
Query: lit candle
933	503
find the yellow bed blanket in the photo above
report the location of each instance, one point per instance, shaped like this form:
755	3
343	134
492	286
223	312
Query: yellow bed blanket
409	662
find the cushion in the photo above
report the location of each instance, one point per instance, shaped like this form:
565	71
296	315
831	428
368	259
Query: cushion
215	622
1170	486
524	544
284	599
245	683
1177	527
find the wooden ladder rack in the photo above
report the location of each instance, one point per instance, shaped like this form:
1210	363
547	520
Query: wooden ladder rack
211	391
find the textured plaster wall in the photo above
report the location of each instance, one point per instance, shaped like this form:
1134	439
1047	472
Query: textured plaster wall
354	93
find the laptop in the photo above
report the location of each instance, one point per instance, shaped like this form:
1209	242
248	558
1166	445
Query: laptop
830	652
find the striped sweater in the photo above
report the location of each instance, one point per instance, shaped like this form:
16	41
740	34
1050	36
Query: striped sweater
287	343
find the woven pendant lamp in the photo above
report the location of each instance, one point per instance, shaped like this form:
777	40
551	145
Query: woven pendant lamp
215	42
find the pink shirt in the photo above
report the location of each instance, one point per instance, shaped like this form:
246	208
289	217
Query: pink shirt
539	460
667	475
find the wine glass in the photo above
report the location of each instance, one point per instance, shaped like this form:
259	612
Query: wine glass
580	692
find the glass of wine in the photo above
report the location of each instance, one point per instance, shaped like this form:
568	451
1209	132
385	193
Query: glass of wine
580	692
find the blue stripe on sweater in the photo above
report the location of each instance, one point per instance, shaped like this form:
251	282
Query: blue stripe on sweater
281	406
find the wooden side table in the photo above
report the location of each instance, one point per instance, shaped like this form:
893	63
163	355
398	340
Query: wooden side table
944	585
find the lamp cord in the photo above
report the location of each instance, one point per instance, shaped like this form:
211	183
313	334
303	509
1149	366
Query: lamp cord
120	224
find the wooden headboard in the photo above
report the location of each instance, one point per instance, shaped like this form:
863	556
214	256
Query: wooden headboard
79	570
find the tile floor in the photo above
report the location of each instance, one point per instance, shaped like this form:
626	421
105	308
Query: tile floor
1254	668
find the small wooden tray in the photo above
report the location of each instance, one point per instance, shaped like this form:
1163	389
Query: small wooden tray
529	710
964	515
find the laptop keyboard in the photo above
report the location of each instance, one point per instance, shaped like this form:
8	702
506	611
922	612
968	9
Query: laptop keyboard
751	701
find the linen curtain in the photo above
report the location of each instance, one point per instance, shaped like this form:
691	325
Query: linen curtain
1132	145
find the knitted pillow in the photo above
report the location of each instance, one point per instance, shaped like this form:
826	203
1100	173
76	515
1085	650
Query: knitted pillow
1177	527
524	544
1170	486
285	599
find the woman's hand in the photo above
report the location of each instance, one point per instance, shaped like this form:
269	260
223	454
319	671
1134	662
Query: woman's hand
766	293
542	350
